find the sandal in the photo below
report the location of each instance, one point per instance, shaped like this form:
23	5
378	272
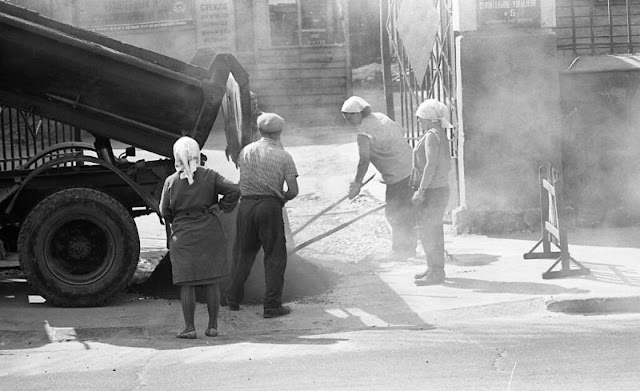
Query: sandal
187	335
211	332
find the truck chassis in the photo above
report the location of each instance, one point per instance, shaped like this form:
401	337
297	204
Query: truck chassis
67	206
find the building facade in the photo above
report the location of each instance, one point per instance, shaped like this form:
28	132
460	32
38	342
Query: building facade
296	51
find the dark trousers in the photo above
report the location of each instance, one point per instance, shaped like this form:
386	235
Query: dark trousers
430	226
401	216
259	224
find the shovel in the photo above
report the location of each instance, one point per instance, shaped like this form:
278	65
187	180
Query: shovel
336	229
328	208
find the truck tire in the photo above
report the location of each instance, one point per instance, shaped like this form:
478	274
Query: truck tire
78	247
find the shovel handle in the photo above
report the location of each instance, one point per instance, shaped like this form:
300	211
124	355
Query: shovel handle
325	210
336	229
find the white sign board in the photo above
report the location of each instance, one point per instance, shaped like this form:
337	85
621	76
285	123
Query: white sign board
215	23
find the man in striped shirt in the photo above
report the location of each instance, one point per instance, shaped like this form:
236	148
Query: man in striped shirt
264	169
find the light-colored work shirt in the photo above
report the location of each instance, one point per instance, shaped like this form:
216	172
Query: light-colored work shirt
442	161
264	165
390	153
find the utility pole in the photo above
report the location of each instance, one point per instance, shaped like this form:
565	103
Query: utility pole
385	55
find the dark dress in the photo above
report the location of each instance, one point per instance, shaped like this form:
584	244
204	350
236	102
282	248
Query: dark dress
198	243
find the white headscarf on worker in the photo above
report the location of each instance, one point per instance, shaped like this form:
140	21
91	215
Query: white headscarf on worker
434	110
354	104
354	110
186	153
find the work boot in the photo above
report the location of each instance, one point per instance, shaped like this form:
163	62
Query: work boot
431	277
275	312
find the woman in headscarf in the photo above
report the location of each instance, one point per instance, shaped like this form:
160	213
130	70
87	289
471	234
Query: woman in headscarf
197	244
431	165
381	142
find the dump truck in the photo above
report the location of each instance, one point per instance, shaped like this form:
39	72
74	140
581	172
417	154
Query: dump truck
67	95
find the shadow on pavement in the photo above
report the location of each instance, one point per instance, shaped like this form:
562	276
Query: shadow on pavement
472	259
327	298
612	274
525	288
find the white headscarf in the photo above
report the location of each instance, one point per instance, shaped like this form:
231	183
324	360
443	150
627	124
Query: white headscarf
354	104
434	110
186	153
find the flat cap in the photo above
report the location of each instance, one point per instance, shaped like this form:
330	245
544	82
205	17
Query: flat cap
270	123
355	104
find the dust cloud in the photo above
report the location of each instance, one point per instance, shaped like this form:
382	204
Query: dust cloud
601	149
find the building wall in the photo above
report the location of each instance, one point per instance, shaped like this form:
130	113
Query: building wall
509	125
305	85
599	97
600	143
364	32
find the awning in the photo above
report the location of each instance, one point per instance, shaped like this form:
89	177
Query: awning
606	63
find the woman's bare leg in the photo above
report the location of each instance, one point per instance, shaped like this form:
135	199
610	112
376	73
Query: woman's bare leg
212	292
188	301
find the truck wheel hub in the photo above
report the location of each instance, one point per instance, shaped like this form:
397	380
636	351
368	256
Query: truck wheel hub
79	248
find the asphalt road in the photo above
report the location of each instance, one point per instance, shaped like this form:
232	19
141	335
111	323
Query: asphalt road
536	352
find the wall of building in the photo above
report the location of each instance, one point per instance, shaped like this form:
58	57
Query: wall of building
304	85
364	32
508	101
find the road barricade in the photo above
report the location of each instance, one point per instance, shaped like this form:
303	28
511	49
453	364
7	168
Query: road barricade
552	231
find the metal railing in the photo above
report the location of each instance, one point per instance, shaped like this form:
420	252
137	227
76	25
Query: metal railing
598	26
437	81
23	135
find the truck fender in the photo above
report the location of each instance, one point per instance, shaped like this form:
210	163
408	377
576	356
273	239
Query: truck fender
55	148
151	202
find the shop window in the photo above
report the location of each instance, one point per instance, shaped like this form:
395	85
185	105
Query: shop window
305	22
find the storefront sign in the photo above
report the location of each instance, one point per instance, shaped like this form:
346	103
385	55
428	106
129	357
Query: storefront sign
508	13
215	25
126	15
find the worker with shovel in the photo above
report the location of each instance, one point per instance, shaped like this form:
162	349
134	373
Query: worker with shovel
381	142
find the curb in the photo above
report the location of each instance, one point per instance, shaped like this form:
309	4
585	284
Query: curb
596	305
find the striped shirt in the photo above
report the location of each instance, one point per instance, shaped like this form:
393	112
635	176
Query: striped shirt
264	165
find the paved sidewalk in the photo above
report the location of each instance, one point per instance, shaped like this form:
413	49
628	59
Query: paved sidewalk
490	271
